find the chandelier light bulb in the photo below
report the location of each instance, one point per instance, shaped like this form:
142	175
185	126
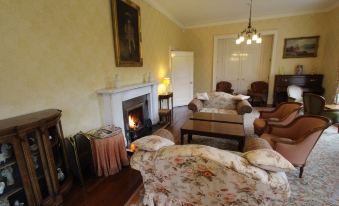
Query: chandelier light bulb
259	40
254	37
241	38
237	41
249	41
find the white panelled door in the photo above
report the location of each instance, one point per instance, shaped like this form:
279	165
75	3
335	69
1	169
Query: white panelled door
182	77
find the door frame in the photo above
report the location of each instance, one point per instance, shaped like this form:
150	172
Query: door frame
273	59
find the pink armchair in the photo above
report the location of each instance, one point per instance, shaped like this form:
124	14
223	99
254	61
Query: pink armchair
296	140
284	113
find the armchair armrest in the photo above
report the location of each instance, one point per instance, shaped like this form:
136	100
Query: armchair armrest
244	107
195	105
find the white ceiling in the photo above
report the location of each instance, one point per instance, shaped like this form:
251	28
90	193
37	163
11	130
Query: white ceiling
193	13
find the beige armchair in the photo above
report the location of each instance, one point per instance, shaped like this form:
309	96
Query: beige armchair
296	140
283	114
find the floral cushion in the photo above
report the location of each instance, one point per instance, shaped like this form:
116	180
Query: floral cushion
220	100
152	143
269	160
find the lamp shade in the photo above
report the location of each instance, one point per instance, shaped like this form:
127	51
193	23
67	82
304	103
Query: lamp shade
166	81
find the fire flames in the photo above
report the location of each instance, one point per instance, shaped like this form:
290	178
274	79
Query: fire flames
131	122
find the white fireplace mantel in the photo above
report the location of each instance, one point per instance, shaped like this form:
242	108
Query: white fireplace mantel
114	97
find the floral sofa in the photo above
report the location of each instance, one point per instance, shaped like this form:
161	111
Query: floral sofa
220	102
203	175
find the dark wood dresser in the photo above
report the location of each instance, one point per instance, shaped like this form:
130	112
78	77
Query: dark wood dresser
310	83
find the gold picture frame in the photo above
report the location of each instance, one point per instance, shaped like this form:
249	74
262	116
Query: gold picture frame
127	33
301	47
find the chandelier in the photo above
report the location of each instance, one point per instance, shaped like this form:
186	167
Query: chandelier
249	34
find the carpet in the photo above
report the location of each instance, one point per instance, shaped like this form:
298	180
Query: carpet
320	182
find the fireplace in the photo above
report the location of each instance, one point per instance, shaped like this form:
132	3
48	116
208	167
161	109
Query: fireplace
136	118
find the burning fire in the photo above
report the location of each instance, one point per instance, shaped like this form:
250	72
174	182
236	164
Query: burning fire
131	122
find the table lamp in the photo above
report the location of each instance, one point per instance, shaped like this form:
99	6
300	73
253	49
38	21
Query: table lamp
166	81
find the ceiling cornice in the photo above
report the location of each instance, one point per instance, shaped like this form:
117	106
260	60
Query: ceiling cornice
162	10
158	7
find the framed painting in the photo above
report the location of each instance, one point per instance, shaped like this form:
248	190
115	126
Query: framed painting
127	33
301	47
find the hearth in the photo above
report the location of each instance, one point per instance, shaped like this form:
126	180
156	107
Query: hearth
136	118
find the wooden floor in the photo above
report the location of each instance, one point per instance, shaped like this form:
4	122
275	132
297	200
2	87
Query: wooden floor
117	189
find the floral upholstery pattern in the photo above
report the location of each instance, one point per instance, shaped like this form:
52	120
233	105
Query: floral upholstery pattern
203	175
268	159
152	143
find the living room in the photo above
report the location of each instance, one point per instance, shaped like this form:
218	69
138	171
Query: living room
71	56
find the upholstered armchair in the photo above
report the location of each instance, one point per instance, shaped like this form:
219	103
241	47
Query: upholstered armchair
258	92
283	114
295	93
296	140
224	86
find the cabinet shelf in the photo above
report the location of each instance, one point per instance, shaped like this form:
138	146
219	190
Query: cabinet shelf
9	191
7	164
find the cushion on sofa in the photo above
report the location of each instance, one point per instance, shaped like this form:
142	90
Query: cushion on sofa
152	143
220	100
253	143
202	96
240	97
269	160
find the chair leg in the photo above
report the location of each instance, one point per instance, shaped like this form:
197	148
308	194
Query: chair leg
301	171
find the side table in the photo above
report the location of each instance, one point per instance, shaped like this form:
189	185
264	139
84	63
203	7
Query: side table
167	96
109	154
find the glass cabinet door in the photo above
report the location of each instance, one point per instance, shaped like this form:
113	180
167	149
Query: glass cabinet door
11	188
57	150
36	155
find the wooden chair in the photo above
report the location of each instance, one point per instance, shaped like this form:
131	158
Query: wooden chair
224	86
283	114
259	92
296	140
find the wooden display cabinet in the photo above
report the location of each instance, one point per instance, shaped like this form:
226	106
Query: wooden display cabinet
37	159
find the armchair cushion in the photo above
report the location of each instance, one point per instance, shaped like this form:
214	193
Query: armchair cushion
240	97
220	100
269	160
152	143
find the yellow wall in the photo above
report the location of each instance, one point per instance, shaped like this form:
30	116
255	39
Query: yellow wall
200	40
56	54
331	57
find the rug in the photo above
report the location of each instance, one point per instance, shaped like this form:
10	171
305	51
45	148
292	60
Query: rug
320	182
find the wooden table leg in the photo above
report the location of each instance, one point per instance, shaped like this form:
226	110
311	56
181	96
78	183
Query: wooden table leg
189	140
241	144
181	138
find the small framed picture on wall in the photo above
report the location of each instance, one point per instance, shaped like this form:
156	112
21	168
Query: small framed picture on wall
301	47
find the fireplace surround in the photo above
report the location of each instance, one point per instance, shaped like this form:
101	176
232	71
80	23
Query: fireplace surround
112	111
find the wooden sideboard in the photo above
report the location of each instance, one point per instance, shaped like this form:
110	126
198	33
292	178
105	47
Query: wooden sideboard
32	161
309	83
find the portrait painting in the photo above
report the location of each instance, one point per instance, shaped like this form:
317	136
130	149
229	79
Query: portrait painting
301	47
127	33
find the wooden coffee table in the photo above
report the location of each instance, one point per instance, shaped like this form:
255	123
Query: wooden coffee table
214	129
217	117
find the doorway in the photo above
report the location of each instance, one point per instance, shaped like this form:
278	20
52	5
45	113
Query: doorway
242	64
182	77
